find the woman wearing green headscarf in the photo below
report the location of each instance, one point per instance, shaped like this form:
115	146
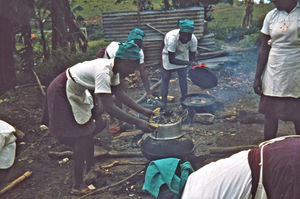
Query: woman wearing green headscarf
137	35
180	46
74	117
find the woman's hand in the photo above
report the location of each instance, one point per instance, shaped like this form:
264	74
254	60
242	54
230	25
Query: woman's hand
148	112
145	126
257	86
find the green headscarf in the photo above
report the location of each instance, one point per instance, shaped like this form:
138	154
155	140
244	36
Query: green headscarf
128	50
186	25
136	34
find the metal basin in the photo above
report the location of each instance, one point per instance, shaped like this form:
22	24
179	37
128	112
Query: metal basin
167	131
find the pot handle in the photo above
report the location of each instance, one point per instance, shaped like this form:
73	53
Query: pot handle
199	66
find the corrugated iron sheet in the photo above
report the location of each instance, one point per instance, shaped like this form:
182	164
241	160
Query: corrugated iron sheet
118	24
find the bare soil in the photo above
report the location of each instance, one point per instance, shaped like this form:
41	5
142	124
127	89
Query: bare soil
236	123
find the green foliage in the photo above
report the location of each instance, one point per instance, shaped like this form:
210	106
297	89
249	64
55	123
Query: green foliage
95	46
227	22
226	1
251	40
95	8
94	30
61	60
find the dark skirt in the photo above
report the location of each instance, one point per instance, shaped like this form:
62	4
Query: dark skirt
281	176
283	108
58	115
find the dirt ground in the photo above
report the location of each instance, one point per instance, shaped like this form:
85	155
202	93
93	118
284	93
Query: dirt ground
236	123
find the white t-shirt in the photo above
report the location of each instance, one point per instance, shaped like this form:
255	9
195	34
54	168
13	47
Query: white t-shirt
112	49
172	44
96	75
282	74
228	178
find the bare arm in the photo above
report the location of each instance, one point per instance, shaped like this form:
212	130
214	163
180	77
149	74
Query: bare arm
192	56
125	99
174	60
261	63
113	110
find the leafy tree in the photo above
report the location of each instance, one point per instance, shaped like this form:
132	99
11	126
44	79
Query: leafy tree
42	16
248	14
65	29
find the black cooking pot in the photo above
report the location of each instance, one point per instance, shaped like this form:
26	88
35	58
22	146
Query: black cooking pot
198	102
154	149
203	77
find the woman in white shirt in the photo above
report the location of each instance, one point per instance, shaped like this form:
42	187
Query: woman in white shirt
279	60
74	116
180	47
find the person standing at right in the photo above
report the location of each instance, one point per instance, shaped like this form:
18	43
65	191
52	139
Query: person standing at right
180	47
279	60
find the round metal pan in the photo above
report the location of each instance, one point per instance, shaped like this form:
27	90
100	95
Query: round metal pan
203	77
198	102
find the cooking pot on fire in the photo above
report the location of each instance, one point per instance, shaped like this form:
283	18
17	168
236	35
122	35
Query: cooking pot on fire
198	102
154	149
168	140
167	131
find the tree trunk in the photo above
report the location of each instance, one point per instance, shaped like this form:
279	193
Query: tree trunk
59	29
167	4
65	28
27	54
7	70
248	13
43	40
75	34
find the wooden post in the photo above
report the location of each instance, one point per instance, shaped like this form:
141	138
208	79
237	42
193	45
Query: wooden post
138	13
15	182
39	82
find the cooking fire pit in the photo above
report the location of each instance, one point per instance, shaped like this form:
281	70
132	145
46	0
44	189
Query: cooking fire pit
154	149
168	140
199	103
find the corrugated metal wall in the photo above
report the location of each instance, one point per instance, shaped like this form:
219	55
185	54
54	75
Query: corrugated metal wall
117	26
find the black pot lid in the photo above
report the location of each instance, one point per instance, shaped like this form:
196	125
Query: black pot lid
203	77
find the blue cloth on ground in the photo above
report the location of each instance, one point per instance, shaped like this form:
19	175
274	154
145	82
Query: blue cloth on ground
162	172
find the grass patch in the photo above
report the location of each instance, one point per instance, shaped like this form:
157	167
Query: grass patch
226	24
94	8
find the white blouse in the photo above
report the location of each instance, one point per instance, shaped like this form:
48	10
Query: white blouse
228	178
172	44
282	74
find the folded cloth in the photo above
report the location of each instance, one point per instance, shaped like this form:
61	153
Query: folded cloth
80	100
162	172
7	145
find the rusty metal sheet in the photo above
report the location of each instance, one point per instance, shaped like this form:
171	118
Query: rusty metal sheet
117	25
